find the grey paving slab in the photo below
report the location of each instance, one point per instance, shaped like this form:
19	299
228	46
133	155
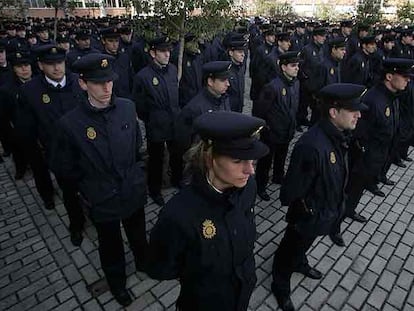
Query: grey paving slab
41	270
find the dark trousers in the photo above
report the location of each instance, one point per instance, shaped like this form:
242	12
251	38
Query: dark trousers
44	186
305	100
155	164
41	173
72	204
277	154
5	135
403	147
355	188
111	247
290	255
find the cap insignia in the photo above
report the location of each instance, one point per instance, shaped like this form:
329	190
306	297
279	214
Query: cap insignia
18	55
283	92
104	63
45	99
332	157
362	65
256	133
332	71
155	81
209	229
91	133
53	51
387	112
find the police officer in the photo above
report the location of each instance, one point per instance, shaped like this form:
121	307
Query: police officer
377	133
191	79
205	234
82	46
212	97
42	33
22	73
237	52
5	70
359	68
259	65
121	61
42	101
277	105
332	64
310	75
318	159
155	93
404	47
298	37
99	150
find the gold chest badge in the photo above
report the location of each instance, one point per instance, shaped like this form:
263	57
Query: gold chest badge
387	112
332	71
91	133
209	230
45	99
332	157
284	92
362	65
155	81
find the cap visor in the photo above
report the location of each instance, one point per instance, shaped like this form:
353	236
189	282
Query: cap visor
257	151
103	78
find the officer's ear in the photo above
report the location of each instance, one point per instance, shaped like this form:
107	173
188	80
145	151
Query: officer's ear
152	53
82	84
333	112
388	76
40	65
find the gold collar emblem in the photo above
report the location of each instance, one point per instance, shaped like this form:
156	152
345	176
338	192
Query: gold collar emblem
155	81
332	71
91	133
209	230
283	92
332	157
104	63
45	99
387	112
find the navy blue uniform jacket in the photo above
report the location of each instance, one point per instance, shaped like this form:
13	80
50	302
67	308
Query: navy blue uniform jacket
206	240
98	148
155	93
317	174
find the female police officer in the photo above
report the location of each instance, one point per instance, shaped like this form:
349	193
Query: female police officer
205	235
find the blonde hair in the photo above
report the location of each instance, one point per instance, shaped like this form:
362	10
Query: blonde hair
196	159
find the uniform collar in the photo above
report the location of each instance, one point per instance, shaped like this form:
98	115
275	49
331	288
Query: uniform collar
54	83
338	138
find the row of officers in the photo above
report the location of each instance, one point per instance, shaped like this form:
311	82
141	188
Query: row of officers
75	125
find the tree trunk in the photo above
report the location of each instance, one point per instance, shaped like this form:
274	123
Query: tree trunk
181	49
55	24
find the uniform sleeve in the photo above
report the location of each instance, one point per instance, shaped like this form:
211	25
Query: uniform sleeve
26	121
65	156
166	247
266	98
139	96
302	171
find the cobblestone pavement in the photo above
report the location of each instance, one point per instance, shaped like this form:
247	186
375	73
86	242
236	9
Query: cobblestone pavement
41	270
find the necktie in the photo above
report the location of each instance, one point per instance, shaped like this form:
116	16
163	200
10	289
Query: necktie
58	86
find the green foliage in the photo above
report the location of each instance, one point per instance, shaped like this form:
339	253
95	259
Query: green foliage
405	12
369	11
177	17
325	12
19	7
276	9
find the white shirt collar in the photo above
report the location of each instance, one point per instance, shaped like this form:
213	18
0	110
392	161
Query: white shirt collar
54	83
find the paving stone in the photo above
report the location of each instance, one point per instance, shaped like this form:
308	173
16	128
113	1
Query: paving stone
318	298
368	280
170	297
64	295
358	297
397	297
377	265
387	280
377	297
405	279
350	280
331	280
338	298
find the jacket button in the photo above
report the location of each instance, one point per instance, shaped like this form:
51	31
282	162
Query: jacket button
235	232
114	191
